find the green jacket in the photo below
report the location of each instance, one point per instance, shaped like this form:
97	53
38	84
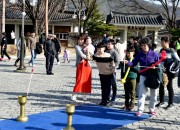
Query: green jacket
132	73
177	45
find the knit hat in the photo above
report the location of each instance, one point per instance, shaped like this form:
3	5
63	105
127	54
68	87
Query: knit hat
101	45
146	41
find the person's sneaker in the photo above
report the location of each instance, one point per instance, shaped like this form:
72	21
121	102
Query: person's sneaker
138	114
169	106
73	98
152	113
102	103
123	95
15	64
131	107
109	103
9	59
124	108
160	104
84	97
30	64
51	73
58	63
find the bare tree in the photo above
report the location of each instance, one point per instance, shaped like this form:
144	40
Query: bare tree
168	8
2	17
37	12
89	6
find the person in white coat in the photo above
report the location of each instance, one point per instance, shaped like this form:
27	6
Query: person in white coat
120	48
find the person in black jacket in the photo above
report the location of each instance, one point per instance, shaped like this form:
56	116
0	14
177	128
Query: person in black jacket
4	47
49	52
58	48
171	56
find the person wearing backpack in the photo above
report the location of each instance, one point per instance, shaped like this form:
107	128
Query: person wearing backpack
58	48
171	63
38	48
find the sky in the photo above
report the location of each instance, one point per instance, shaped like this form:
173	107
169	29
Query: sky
157	2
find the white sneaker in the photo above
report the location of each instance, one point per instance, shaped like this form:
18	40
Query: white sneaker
58	63
30	64
73	98
84	97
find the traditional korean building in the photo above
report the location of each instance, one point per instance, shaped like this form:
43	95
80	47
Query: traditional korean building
136	24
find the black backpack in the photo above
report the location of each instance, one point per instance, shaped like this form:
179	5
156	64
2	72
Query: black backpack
152	78
38	48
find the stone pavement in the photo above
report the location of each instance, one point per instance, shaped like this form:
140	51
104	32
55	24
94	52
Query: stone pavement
52	92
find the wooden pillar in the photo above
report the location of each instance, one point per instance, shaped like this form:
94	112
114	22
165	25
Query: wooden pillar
155	36
3	16
125	36
46	17
52	29
17	31
0	23
145	32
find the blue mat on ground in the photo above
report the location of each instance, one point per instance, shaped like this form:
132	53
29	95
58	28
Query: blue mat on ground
86	117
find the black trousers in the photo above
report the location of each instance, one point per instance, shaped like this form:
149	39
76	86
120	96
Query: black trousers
57	57
3	52
105	87
49	63
170	91
17	60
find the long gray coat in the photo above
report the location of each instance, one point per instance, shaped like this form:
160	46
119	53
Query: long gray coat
18	45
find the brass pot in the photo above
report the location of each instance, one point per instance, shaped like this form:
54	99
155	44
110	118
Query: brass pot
22	101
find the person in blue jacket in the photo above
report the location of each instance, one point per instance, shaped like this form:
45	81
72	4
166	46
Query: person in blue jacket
145	58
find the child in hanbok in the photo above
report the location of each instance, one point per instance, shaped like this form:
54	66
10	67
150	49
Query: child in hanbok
66	55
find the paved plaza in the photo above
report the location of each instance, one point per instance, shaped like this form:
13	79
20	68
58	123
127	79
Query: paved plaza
53	92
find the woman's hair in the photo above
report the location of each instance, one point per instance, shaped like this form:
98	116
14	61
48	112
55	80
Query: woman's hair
146	41
166	39
130	49
86	39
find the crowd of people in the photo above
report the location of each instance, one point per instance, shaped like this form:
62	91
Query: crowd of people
142	67
35	45
147	70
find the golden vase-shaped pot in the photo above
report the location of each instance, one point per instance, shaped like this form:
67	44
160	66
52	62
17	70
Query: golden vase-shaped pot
22	101
70	109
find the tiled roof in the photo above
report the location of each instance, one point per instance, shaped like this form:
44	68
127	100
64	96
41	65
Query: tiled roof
12	12
134	19
16	14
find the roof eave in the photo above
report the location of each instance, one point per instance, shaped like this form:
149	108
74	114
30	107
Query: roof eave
139	25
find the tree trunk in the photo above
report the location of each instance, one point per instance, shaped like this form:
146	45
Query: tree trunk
3	15
35	26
